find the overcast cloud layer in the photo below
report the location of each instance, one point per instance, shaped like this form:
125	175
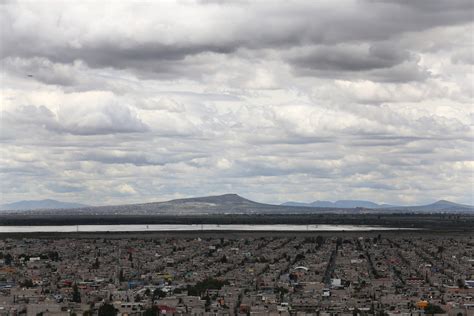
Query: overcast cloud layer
276	101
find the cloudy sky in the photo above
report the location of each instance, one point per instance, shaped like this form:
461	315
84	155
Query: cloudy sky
276	101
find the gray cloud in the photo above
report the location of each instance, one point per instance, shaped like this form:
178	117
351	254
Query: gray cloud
289	101
100	119
352	57
159	158
252	26
379	62
465	56
65	188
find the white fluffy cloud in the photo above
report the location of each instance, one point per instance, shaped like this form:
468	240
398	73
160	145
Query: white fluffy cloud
134	102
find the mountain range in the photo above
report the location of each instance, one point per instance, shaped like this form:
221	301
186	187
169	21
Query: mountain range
441	205
337	204
228	204
47	204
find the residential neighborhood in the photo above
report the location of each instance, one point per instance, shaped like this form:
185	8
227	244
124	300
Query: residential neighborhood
244	275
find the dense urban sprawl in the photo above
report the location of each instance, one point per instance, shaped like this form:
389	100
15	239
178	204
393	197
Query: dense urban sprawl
247	275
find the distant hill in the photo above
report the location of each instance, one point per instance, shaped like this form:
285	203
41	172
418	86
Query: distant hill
225	199
337	204
312	204
220	204
40	204
439	206
226	204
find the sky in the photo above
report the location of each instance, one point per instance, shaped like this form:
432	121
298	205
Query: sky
125	102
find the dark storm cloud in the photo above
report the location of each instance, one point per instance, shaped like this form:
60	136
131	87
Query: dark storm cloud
435	7
352	58
377	61
251	26
405	72
149	57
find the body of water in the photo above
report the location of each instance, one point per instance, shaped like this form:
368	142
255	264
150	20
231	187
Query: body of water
168	227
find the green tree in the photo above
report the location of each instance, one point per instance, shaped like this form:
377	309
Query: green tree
461	284
8	259
208	303
299	257
27	283
158	293
433	309
76	295
138	298
203	286
107	310
96	264
153	311
320	240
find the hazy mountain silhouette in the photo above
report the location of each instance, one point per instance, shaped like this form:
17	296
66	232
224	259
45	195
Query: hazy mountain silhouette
40	204
229	204
441	205
337	204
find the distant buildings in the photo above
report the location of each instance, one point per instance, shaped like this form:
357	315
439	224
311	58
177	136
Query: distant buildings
393	275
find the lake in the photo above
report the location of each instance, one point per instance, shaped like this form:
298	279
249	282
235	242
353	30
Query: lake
169	227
